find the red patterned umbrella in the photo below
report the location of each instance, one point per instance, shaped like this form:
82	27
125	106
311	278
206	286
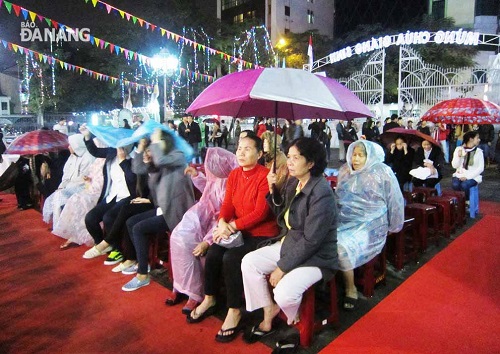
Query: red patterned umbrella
38	142
464	111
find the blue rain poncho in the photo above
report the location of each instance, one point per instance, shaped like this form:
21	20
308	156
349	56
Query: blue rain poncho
371	205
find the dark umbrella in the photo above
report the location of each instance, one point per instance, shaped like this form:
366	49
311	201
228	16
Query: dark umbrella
413	137
38	142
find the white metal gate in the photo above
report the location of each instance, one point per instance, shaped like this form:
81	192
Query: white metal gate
422	85
368	83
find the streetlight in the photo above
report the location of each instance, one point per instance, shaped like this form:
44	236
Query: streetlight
164	64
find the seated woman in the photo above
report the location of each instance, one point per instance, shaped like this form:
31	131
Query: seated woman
75	169
192	237
306	251
400	158
371	205
469	163
431	157
71	225
117	236
172	194
244	209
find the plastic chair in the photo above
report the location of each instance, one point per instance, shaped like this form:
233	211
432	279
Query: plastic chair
308	324
474	201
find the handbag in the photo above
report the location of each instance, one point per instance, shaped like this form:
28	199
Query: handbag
233	241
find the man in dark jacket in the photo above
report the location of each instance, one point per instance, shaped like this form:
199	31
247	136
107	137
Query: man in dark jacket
192	134
487	135
393	123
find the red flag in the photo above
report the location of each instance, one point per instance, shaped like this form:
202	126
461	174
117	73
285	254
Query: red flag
310	53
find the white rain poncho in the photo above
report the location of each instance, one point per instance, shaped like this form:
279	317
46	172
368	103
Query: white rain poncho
198	223
371	205
75	169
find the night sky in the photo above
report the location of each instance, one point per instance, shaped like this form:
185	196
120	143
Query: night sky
79	14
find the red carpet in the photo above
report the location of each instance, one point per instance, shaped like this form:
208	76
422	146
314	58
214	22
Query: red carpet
55	301
489	208
450	305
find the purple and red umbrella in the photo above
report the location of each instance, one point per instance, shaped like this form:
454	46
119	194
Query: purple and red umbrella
464	111
279	93
38	142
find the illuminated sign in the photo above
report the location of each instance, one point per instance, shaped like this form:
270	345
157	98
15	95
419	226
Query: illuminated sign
422	37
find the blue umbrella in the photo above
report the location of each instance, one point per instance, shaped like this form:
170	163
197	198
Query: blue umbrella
147	128
109	135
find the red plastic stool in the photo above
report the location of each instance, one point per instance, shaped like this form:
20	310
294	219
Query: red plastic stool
462	215
424	192
446	212
397	250
422	213
154	248
308	324
371	273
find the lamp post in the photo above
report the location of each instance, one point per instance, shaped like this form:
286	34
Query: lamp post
164	65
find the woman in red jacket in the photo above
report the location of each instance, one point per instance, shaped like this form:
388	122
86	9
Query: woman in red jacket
244	209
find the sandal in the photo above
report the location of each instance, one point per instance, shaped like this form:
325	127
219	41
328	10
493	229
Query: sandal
67	245
226	338
190	306
175	299
285	346
200	317
255	334
349	303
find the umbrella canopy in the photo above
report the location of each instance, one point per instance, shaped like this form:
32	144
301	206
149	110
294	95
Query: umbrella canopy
110	135
413	137
464	111
147	128
5	121
280	93
38	142
211	120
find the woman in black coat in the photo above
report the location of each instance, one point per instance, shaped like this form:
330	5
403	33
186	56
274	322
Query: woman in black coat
432	157
400	159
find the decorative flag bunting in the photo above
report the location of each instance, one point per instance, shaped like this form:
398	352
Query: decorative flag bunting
70	67
172	35
64	65
97	42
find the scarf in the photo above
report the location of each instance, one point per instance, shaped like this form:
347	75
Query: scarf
469	159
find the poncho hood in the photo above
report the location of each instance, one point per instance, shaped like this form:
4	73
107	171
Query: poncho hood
374	154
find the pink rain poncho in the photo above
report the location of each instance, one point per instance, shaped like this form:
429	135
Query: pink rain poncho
198	223
371	205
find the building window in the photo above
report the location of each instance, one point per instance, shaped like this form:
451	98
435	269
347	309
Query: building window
4	106
287	10
287	30
310	16
238	18
250	14
311	1
227	4
438	9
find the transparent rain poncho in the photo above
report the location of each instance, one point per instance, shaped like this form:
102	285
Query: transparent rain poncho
199	221
371	205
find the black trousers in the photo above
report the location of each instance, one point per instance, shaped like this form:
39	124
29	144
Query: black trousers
105	212
141	228
226	262
118	234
